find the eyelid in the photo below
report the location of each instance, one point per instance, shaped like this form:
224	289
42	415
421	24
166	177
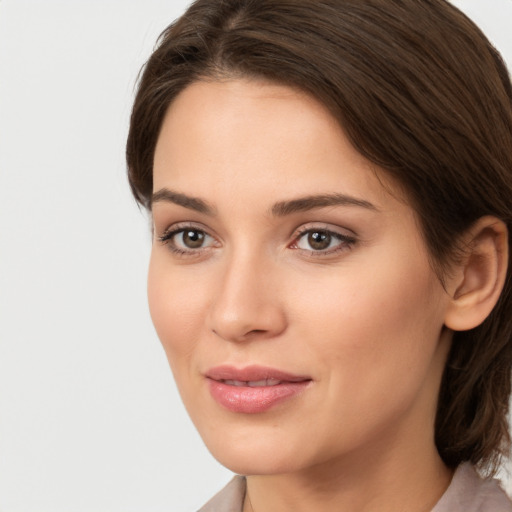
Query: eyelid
166	238
347	238
180	226
324	226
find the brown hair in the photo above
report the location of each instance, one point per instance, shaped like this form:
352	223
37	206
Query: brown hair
419	91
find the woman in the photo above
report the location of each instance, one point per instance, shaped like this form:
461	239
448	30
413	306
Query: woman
330	184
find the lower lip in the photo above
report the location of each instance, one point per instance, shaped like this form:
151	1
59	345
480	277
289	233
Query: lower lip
252	400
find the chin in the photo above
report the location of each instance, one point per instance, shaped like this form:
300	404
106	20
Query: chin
256	462
259	453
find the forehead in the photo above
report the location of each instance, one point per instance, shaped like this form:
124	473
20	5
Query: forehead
243	136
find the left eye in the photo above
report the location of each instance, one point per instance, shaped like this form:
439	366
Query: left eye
321	240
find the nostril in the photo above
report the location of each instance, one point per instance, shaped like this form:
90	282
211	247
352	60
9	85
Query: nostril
250	318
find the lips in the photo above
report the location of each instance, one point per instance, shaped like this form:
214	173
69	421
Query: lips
253	389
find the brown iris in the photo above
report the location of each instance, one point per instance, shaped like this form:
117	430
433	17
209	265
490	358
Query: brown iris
319	240
193	239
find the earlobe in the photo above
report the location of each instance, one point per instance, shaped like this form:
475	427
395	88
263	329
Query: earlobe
478	280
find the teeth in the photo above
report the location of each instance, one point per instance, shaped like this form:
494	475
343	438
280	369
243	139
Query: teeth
265	382
235	383
253	383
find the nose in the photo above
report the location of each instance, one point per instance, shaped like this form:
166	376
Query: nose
247	301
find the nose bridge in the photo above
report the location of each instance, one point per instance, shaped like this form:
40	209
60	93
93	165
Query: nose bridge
246	303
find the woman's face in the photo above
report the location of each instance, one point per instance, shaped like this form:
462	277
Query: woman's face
290	285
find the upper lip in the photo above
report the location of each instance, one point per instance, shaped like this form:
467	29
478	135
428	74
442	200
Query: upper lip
252	373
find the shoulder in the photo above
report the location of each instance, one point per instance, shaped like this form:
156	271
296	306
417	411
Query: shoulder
469	492
229	499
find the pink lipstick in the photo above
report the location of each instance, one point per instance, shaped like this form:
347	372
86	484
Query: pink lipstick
253	389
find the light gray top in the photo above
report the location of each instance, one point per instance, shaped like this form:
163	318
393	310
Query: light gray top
468	492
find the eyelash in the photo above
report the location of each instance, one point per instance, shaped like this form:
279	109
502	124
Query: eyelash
168	239
346	242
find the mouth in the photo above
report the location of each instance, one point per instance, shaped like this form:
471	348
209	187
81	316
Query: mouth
252	383
253	389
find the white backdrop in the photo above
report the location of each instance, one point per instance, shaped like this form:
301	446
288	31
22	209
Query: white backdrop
89	416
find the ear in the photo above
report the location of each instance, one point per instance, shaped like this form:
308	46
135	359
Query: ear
477	281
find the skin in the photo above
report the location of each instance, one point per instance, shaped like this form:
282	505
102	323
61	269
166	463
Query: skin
364	319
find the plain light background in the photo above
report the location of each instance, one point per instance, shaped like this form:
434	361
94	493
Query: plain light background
89	416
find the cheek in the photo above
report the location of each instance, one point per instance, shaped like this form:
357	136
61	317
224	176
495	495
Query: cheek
176	308
373	323
373	337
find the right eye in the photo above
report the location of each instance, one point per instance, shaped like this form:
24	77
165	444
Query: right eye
185	240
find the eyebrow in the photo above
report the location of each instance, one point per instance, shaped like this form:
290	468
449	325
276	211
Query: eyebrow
192	203
303	204
280	209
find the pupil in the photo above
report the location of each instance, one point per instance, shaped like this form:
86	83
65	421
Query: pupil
193	239
319	240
